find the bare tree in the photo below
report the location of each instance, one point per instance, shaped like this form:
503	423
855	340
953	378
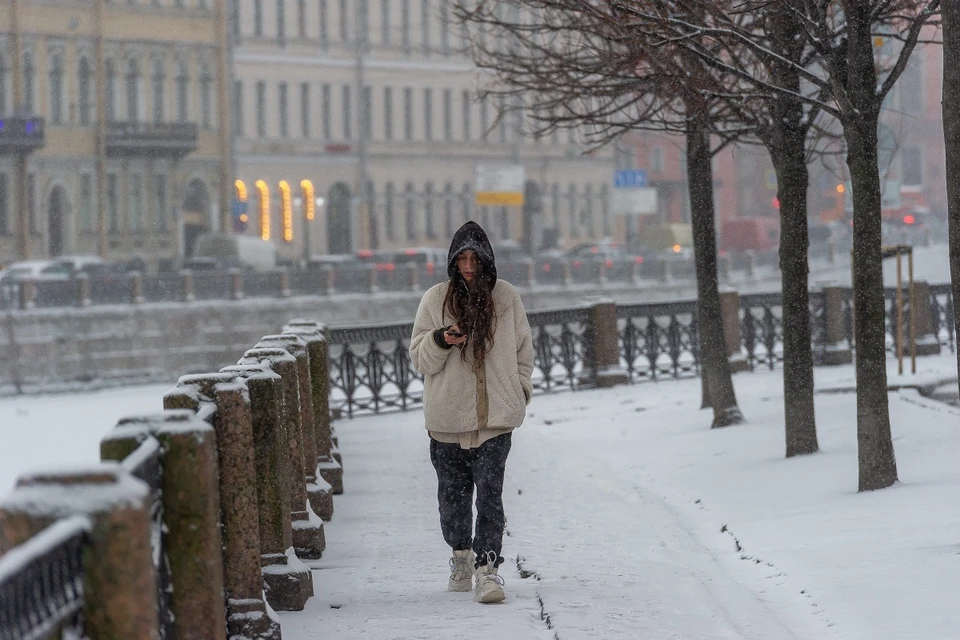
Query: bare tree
951	134
583	65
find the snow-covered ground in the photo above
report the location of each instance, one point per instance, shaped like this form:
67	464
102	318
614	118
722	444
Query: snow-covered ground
627	518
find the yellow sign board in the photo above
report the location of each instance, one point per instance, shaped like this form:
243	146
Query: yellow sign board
499	199
499	185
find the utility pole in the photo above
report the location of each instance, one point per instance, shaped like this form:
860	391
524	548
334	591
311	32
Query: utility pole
20	181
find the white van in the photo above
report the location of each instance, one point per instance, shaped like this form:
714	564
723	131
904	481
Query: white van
224	251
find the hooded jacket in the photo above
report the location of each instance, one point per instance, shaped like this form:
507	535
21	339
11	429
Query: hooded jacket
452	382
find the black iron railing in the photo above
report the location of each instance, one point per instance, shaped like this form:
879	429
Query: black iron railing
558	343
41	583
659	340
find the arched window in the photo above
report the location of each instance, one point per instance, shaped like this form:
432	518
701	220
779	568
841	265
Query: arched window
28	83
3	84
206	96
448	209
389	224
409	213
183	92
111	71
572	206
159	81
133	91
56	89
85	89
428	211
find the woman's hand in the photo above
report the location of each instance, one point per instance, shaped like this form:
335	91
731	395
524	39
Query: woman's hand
452	336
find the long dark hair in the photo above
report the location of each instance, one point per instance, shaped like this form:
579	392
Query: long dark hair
472	306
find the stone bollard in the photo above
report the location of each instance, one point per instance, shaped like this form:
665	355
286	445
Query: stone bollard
136	287
730	316
414	276
309	539
284	276
247	615
723	268
288	583
191	514
329	281
236	284
372	280
601	359
83	290
119	574
328	470
836	351
28	294
187	284
636	272
666	272
751	264
319	492
926	335
567	274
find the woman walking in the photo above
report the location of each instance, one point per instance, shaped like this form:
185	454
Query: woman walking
471	341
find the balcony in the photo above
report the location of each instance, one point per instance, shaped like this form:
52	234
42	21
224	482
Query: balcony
161	140
20	135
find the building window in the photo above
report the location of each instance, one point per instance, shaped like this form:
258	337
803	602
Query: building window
388	113
133	91
113	208
4	205
305	109
85	90
262	109
407	113
344	21
85	213
28	83
366	113
281	21
284	109
238	107
572	206
160	200
136	202
428	114
258	18
363	24
425	25
467	112
56	89
409	212
389	224
235	19
324	24
912	167
302	19
206	96
447	114
484	119
605	209
183	92
405	25
385	22
448	209
111	91
325	103
159	80
444	29
34	221
347	101
431	227
3	84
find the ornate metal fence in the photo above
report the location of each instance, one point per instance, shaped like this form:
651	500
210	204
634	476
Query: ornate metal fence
41	583
558	340
659	340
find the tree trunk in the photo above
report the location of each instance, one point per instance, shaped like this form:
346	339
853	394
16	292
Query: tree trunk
878	467
951	136
713	350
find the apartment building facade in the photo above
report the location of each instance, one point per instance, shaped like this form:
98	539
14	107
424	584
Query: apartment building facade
112	139
363	115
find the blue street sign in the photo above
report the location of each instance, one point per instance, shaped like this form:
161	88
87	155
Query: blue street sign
630	178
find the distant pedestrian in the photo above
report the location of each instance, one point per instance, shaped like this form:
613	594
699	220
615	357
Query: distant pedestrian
471	341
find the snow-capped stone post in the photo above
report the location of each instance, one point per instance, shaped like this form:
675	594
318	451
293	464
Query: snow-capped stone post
730	316
191	514
601	353
287	582
309	539
925	335
836	351
666	272
413	276
186	283
27	293
284	276
236	284
325	468
136	287
247	615
118	565
83	289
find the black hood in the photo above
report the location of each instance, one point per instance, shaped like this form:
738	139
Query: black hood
471	236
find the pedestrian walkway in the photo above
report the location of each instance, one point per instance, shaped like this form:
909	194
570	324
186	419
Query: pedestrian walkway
590	555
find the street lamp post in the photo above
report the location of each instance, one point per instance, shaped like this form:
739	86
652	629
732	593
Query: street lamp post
318	202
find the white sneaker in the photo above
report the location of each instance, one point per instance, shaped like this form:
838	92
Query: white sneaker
489	587
461	568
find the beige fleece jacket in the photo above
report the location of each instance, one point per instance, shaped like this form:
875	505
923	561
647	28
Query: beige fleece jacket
450	383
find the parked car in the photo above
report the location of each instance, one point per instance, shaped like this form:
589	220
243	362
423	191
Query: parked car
586	259
759	234
229	251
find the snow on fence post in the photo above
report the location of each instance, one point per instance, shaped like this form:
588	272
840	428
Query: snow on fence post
328	470
730	318
246	612
926	340
601	352
836	350
119	576
191	514
287	582
308	536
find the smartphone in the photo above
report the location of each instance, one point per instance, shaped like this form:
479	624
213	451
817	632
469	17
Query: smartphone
456	334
